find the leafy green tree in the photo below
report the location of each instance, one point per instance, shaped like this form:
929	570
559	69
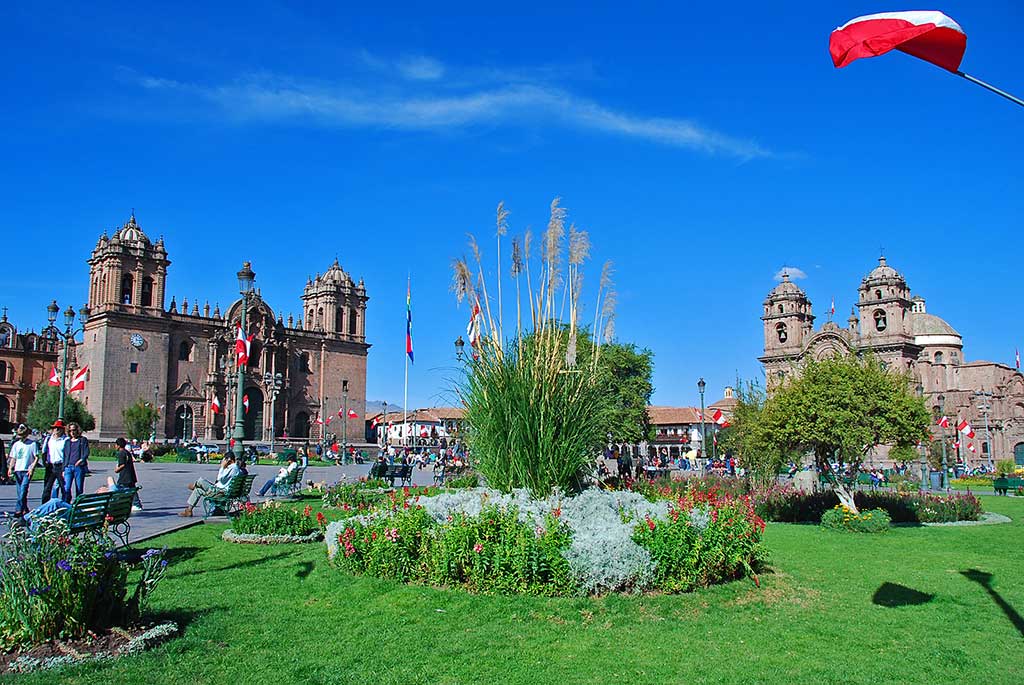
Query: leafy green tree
625	375
45	407
904	453
746	439
139	419
836	409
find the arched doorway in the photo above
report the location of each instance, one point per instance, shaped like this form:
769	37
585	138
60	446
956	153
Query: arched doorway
300	426
253	422
5	414
183	422
1018	454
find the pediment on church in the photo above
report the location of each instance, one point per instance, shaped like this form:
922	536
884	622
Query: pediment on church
187	391
827	344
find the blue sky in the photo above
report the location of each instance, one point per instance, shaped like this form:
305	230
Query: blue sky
703	149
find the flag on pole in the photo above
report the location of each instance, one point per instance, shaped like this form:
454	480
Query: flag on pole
965	428
925	34
1016	353
54	377
243	345
832	311
408	320
245	401
956	444
353	414
215	405
473	329
719	418
943	422
970	447
78	381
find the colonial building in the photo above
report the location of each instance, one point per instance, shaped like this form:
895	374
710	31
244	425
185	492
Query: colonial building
896	327
181	356
25	363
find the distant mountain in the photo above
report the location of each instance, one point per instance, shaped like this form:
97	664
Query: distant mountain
377	406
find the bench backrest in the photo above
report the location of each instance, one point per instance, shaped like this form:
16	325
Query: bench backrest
297	475
88	511
119	508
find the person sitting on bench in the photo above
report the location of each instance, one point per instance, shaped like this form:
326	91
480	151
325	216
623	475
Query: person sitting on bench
202	487
282	474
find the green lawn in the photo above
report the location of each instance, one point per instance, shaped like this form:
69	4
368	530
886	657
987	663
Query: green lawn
838	608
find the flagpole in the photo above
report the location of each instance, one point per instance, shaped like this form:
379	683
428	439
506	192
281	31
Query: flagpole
990	87
405	398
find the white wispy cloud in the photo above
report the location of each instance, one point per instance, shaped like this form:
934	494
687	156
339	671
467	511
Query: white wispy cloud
430	105
795	273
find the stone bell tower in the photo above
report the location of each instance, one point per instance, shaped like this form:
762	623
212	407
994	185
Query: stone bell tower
788	322
334	305
127	272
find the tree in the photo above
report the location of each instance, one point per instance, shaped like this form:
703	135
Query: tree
46	405
139	420
837	409
745	437
625	374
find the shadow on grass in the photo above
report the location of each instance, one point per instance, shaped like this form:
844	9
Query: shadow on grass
305	568
894	595
252	562
985	580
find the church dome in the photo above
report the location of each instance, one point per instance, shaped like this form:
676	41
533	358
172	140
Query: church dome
131	232
922	323
883	273
335	274
786	287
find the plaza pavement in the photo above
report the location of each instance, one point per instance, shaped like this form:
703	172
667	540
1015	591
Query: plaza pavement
165	490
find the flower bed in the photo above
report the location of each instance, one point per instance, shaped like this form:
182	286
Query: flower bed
845	519
364	495
271	520
230	535
57	586
103	646
795	506
592	543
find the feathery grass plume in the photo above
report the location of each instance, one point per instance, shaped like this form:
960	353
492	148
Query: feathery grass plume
489	320
579	245
517	268
501	225
604	286
462	280
553	237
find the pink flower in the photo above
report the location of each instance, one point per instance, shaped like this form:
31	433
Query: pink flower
478	548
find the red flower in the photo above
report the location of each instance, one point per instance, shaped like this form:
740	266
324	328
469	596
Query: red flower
108	518
307	510
320	518
650	524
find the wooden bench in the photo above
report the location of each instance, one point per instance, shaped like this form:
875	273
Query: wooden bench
400	472
230	498
102	510
291	484
1001	485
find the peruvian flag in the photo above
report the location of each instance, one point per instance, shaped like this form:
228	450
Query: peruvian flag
353	414
473	329
943	422
925	34
54	377
318	421
832	311
327	421
965	428
719	418
78	381
700	417
1016	354
970	447
215	405
375	422
242	346
956	444
245	403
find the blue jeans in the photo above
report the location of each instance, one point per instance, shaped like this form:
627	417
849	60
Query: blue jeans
52	506
21	502
136	502
73	475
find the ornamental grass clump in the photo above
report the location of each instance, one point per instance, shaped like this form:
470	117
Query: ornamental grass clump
534	408
54	585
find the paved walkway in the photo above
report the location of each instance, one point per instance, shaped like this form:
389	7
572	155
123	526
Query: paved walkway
165	490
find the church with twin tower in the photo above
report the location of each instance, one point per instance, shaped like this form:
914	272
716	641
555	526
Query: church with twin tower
180	355
895	326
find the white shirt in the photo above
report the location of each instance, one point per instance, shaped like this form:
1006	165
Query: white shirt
224	475
55	449
24	453
283	473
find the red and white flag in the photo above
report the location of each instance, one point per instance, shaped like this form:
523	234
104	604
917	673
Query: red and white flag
956	444
925	34
243	345
965	428
832	311
1016	353
245	403
970	447
54	377
943	422
78	381
353	414
700	417
473	329
719	418
375	422
215	405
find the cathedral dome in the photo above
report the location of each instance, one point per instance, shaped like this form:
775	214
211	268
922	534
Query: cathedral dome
786	287
883	273
929	329
131	233
336	274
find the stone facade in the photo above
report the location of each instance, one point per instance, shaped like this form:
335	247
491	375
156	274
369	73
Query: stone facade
26	360
181	357
896	327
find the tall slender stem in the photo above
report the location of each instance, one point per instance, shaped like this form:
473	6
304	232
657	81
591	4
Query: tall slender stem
239	432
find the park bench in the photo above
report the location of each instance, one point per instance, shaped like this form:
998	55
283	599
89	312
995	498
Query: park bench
185	456
230	498
90	513
1004	484
291	484
400	472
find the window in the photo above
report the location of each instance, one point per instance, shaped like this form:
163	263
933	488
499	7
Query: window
984	448
939	359
147	292
309	319
304	362
320	319
956	358
185	351
3	371
878	294
127	288
780	330
880	322
352	321
781	309
339	320
133	367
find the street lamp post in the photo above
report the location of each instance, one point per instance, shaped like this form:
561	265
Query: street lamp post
384	427
942	410
68	336
274	383
460	346
246	276
703	433
156	411
924	449
344	421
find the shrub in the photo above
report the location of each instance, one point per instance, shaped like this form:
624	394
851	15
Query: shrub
972	482
788	505
869	521
1006	467
353	496
469	480
57	586
271	518
706	539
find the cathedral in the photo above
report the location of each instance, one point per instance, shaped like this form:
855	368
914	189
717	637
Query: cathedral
181	356
896	327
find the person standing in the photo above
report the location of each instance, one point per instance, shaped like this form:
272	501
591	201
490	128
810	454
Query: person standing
24	456
76	461
53	461
125	470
